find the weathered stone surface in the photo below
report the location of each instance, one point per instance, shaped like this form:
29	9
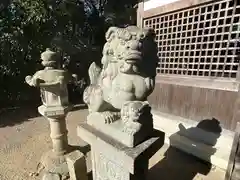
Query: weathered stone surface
53	163
53	111
50	159
119	130
118	91
111	160
107	169
77	165
51	176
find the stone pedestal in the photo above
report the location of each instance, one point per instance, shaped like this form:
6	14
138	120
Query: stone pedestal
111	160
61	161
57	120
54	161
119	131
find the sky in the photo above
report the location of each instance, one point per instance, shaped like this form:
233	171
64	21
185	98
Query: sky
149	4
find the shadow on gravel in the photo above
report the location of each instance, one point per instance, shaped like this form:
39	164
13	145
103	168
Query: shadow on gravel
17	115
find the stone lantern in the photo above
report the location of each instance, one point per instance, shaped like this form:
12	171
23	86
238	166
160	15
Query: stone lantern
52	81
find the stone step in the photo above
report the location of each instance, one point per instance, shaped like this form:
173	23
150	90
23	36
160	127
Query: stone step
205	145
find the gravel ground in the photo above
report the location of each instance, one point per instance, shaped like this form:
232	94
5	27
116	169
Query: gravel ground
23	139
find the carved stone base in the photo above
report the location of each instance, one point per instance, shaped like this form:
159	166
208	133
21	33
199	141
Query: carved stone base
119	131
111	160
70	166
54	163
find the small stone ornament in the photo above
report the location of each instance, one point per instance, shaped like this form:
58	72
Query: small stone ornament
117	95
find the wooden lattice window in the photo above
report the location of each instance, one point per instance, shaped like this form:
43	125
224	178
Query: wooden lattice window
198	40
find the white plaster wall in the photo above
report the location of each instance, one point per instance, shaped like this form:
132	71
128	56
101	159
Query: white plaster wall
150	4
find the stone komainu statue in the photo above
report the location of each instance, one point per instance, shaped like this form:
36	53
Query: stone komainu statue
127	76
